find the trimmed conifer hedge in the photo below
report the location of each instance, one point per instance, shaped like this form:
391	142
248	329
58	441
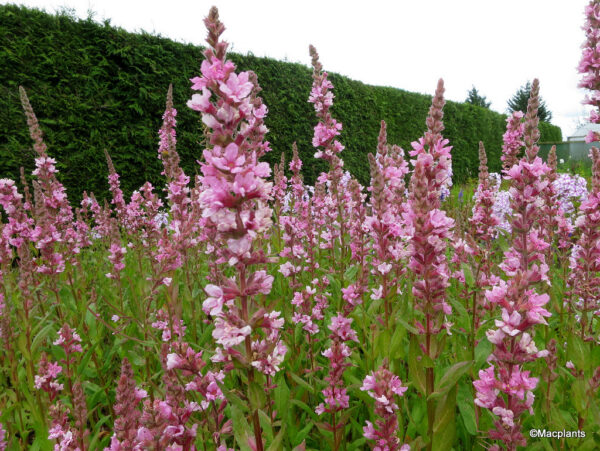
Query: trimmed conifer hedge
95	87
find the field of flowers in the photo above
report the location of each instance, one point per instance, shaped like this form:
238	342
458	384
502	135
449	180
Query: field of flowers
247	310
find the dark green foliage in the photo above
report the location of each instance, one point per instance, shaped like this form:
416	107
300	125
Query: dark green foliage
474	98
518	102
94	86
550	133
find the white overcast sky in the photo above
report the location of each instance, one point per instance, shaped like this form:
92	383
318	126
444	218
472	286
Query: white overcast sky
494	45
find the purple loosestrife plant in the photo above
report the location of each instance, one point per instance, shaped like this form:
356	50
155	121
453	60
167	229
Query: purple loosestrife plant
359	246
383	386
336	396
333	203
69	433
54	196
505	388
182	230
483	220
430	229
127	421
388	169
3	437
55	233
325	140
297	231
234	198
584	278
584	266
513	141
484	223
279	186
180	235
117	194
205	385
589	65
164	423
17	234
558	228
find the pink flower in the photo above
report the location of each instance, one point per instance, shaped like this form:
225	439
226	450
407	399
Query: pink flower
510	322
237	87
486	388
382	385
227	334
507	392
506	415
535	312
69	340
174	361
213	305
200	102
3	443
341	326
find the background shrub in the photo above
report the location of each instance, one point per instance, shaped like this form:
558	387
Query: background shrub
94	86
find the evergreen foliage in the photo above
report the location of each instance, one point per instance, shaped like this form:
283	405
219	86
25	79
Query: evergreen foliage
96	87
518	102
474	98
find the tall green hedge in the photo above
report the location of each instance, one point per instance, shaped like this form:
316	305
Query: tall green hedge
94	86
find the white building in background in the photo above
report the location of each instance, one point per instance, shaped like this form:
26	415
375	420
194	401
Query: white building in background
582	131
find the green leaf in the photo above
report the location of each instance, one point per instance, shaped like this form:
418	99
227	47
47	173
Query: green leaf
303	433
407	326
466	408
579	396
86	358
41	440
416	375
235	400
350	273
396	348
482	352
256	396
469	279
451	377
461	314
22	345
306	408
282	397
40	336
577	352
301	382
241	428
277	443
444	428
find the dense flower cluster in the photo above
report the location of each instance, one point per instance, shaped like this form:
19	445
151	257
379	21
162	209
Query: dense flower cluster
234	198
590	64
383	386
585	258
505	388
513	141
194	294
385	223
3	442
69	431
428	224
322	98
336	396
484	220
571	190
